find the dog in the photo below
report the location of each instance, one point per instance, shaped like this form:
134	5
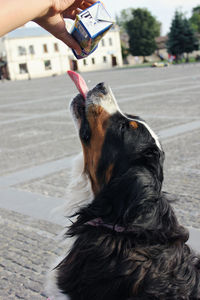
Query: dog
127	242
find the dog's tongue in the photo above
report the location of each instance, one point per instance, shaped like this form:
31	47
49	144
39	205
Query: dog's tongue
79	82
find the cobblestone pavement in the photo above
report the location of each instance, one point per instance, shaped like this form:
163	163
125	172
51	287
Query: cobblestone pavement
38	142
27	248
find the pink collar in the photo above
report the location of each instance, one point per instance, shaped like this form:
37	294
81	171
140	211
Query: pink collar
98	222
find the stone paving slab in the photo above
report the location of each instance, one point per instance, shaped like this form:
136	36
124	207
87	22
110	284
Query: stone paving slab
27	247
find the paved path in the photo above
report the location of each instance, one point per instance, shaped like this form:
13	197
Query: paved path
38	141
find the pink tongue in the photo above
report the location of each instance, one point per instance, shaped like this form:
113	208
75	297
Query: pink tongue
79	82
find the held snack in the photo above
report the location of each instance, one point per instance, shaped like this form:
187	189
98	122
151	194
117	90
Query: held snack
89	28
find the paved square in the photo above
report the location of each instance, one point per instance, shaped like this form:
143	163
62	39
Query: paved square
38	142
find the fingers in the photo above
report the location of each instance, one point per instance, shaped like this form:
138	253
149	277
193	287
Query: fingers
91	1
76	8
66	38
82	4
71	14
54	23
87	3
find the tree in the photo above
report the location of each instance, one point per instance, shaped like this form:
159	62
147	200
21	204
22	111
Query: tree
175	43
123	18
191	42
142	29
195	19
181	37
125	52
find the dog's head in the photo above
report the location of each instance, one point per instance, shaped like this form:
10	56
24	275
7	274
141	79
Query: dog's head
113	142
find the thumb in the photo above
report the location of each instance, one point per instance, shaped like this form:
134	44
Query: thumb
56	26
68	39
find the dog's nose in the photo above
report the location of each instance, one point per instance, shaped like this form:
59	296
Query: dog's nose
102	88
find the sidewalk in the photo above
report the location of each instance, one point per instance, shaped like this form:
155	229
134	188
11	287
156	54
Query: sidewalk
27	249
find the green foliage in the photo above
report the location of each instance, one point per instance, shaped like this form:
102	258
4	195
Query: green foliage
181	37
123	18
175	43
191	42
196	10
195	19
142	28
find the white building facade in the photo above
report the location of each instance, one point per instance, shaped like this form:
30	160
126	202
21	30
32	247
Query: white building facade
33	52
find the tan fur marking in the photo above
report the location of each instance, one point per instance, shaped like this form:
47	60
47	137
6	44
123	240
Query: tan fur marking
134	124
109	173
97	118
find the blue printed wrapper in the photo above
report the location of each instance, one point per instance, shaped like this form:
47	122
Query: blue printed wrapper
89	28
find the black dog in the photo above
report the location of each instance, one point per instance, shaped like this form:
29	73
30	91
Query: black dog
128	242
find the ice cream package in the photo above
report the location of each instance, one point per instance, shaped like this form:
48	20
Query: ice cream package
89	28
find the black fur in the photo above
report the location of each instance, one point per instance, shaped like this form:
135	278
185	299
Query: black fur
149	260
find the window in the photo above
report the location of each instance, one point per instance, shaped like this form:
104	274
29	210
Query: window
104	59
110	42
85	62
93	61
45	48
31	49
23	68
56	49
21	50
47	65
103	43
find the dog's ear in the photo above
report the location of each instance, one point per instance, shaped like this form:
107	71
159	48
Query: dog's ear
124	199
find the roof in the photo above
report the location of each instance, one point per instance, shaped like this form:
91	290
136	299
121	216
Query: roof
24	32
161	42
115	27
37	31
161	39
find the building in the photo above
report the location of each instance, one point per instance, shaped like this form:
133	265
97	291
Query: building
161	50
30	52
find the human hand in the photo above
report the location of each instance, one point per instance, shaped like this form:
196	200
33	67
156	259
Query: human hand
53	19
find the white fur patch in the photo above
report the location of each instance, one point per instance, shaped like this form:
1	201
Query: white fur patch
51	287
155	137
79	192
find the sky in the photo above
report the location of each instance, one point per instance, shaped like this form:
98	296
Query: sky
163	10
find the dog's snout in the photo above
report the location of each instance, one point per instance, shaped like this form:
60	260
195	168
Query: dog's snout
102	88
101	95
